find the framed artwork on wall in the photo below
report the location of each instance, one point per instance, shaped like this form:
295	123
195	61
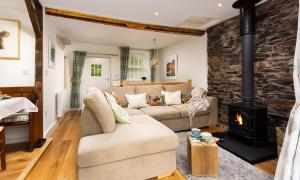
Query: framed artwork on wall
171	67
10	39
52	54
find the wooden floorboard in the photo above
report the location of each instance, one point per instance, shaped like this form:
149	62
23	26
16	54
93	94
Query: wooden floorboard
59	161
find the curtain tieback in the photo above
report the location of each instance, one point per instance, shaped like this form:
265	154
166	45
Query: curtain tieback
76	80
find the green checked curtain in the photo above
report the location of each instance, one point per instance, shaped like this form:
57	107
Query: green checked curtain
152	51
124	62
78	63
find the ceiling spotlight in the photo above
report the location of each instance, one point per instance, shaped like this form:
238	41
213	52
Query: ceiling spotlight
156	13
220	4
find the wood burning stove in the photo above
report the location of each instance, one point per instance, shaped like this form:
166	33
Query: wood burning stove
247	121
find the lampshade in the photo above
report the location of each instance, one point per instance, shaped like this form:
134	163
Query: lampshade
154	62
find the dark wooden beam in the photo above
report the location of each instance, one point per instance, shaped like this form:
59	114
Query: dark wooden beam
31	8
122	23
35	11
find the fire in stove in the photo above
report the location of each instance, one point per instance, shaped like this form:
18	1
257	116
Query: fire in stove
239	118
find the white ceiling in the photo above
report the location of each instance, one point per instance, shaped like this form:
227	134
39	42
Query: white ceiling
86	32
171	13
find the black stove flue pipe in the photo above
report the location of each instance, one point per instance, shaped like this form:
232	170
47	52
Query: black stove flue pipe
247	30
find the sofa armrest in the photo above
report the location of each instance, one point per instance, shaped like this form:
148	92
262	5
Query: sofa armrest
213	114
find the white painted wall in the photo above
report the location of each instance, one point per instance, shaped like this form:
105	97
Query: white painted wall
93	48
192	60
11	71
53	79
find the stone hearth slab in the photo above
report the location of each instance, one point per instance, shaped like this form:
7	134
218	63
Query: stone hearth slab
247	152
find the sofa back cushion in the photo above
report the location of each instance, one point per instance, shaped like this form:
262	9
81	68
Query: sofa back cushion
98	105
149	90
89	124
183	87
120	92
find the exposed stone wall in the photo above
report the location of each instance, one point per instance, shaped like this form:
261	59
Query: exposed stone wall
275	39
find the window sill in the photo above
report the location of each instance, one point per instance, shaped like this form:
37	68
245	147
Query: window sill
135	80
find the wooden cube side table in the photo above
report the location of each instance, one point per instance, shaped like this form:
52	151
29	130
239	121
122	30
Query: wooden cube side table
203	158
2	148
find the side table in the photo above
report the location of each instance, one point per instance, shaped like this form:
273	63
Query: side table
203	157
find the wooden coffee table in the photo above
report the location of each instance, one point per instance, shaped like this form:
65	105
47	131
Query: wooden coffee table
203	157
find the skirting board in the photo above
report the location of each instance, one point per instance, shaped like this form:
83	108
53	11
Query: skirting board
48	131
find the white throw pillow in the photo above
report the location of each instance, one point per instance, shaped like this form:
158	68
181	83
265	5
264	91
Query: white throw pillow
120	114
172	98
136	101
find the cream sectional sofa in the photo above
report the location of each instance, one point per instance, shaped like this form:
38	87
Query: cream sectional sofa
145	148
174	117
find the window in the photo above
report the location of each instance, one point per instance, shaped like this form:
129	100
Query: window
96	70
138	65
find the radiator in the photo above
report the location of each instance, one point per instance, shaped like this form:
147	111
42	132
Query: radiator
61	104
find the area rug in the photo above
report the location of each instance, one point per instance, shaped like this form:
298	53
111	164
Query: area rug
231	167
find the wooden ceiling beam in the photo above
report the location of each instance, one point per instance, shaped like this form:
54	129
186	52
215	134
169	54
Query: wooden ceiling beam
122	23
32	6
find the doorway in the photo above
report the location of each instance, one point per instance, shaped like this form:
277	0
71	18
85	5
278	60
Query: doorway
96	73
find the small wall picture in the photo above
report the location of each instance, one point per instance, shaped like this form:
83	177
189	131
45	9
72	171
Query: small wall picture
171	67
96	70
10	39
52	54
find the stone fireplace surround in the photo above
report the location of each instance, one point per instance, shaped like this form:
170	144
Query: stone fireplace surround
275	39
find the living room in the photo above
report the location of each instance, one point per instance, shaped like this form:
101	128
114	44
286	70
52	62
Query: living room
195	91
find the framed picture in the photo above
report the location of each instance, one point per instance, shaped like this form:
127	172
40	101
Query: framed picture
96	70
10	39
171	67
52	54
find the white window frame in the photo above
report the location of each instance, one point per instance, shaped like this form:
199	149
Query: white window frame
145	65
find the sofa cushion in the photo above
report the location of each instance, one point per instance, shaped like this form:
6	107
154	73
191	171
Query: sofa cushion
143	136
156	100
183	87
133	111
161	112
149	90
120	93
182	108
136	100
172	98
120	114
98	105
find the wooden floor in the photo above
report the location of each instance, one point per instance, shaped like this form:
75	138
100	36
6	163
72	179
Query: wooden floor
59	161
17	160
